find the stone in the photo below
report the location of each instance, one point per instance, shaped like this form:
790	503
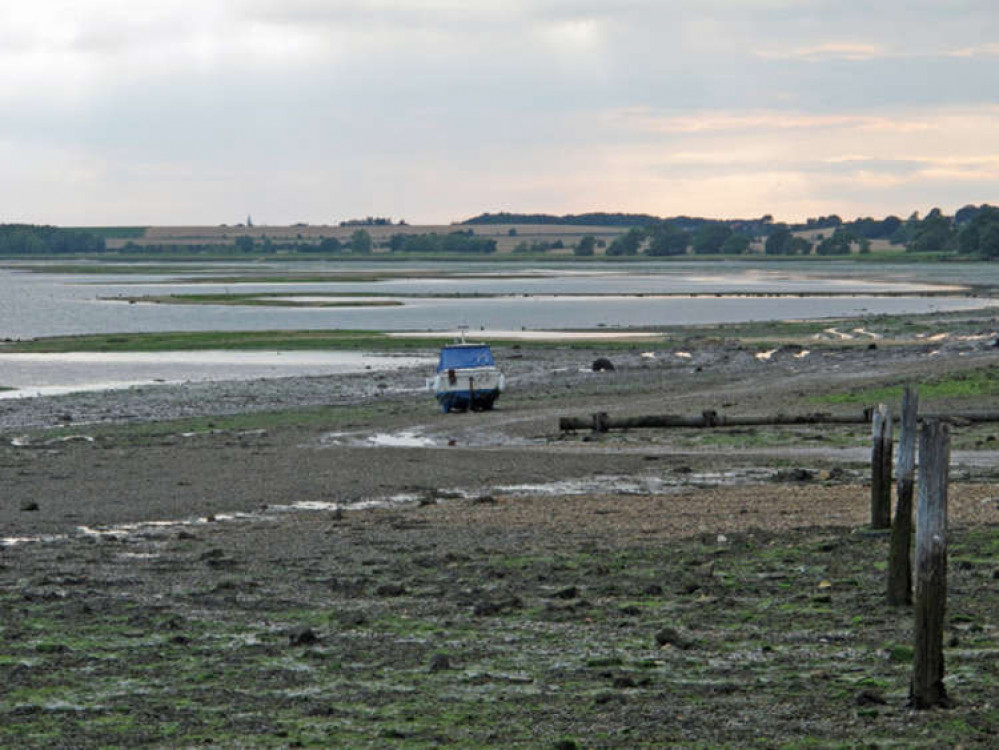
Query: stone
673	637
439	663
302	636
602	364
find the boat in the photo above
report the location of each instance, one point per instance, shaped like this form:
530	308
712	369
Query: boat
467	378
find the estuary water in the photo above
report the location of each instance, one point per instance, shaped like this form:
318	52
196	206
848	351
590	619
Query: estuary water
572	297
442	297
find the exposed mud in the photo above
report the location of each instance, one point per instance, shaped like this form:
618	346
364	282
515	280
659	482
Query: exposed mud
320	562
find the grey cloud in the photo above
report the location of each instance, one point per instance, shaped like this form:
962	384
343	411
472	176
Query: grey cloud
390	87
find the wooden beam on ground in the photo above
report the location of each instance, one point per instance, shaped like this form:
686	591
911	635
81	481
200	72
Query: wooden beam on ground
710	418
707	418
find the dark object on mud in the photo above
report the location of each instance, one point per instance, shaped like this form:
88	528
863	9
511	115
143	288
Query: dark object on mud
604	698
570	592
51	648
794	475
837	474
484	500
602	364
391	589
872	347
302	636
673	637
869	698
439	663
29	506
352	619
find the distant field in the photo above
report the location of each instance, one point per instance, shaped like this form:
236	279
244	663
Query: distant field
225	235
507	236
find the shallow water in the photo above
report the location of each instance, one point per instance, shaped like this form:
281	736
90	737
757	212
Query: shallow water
51	374
33	305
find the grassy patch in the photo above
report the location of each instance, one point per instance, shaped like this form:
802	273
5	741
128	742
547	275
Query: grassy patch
336	340
230	340
144	433
973	384
261	300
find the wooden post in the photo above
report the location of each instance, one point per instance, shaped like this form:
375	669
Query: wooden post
881	468
927	689
899	558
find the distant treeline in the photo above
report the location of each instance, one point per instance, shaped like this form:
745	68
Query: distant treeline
972	231
455	242
29	239
371	221
591	219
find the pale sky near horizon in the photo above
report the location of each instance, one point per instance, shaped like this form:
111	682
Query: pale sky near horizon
181	112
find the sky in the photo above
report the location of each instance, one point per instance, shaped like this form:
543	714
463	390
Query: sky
203	112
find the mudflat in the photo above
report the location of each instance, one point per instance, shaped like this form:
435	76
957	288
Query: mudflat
331	562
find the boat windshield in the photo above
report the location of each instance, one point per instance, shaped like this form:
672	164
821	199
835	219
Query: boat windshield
458	357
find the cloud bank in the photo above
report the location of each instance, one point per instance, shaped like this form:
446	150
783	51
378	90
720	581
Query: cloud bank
183	112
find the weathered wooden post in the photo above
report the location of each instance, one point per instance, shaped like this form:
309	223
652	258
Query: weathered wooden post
899	558
927	689
881	468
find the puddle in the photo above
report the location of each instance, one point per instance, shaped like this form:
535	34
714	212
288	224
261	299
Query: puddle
402	440
598	485
13	541
650	485
25	442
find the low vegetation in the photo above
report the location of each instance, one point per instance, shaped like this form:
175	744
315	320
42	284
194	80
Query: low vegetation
496	637
975	384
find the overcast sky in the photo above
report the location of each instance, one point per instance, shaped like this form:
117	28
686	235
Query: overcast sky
205	111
